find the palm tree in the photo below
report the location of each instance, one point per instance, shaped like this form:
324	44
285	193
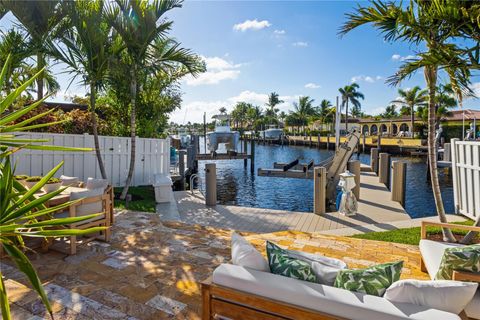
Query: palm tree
273	100
423	23
89	48
325	111
39	18
350	94
13	46
390	112
139	23
304	110
412	98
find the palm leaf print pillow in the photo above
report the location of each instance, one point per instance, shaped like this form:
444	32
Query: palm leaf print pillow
460	259
374	280
281	263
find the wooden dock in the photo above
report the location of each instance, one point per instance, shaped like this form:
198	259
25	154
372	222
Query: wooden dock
375	208
222	156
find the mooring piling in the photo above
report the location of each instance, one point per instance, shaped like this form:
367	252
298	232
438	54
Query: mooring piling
399	181
384	168
319	190
210	184
374	159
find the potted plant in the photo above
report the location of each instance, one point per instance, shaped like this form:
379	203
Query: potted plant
21	178
52	185
31	181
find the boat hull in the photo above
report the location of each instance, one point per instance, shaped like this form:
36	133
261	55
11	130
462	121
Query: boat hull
230	139
272	134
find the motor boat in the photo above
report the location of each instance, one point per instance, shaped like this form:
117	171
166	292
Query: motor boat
272	133
223	134
182	138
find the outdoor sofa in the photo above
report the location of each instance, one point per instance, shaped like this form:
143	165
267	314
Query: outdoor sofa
432	253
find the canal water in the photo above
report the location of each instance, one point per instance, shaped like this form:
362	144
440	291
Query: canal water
237	186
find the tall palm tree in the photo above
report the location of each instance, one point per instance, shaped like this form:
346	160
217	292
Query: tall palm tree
412	98
326	111
139	23
304	110
88	49
273	101
425	23
14	46
39	19
350	94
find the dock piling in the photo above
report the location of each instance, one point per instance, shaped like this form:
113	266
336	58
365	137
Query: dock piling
245	147
399	179
354	167
210	184
384	168
328	141
319	190
181	168
374	159
252	156
447	152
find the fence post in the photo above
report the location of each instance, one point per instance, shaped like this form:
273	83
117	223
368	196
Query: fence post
319	190
456	187
399	181
374	159
354	167
210	184
384	168
181	168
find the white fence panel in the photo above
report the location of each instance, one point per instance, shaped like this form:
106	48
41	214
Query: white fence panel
466	177
152	156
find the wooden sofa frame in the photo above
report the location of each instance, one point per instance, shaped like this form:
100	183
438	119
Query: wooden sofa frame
219	302
457	275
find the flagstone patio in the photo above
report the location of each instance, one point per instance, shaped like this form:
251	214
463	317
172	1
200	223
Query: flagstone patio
152	269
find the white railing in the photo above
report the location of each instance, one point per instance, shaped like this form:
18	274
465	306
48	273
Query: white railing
152	156
466	177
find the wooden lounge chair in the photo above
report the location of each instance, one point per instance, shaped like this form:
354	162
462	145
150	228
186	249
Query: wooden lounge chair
89	205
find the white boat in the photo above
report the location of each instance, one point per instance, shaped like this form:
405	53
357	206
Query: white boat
223	134
272	133
183	137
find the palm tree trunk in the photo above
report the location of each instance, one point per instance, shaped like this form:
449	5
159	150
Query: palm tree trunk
133	91
412	120
93	115
346	116
431	79
40	65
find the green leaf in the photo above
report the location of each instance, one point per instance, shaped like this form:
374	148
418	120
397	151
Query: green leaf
4	304
26	267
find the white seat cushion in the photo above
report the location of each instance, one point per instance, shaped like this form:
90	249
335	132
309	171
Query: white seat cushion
473	308
322	298
432	253
69	181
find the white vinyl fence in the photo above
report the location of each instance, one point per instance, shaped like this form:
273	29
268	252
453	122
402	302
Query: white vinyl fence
152	156
466	177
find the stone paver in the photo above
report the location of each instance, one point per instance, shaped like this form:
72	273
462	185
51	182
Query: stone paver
164	263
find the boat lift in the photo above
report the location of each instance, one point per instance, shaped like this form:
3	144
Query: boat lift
334	165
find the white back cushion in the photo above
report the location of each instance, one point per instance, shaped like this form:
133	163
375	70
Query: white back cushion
432	253
69	181
93	183
446	295
89	208
244	254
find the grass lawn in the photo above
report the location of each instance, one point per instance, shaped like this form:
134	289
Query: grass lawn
143	199
408	236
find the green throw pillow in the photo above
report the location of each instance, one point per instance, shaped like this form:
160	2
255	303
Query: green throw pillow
374	280
459	258
281	263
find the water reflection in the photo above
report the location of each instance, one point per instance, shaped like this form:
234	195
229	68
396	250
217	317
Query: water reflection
237	186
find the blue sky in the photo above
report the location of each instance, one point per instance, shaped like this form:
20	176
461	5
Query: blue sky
252	48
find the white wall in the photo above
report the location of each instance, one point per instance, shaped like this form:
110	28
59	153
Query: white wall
152	156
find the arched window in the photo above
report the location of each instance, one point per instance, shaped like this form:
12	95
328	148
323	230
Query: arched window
373	129
383	128
394	128
404	127
365	129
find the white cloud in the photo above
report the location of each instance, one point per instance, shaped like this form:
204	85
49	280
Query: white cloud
195	109
279	32
251	25
476	88
397	57
369	79
312	85
218	69
300	44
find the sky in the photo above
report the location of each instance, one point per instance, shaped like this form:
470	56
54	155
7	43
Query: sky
252	48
